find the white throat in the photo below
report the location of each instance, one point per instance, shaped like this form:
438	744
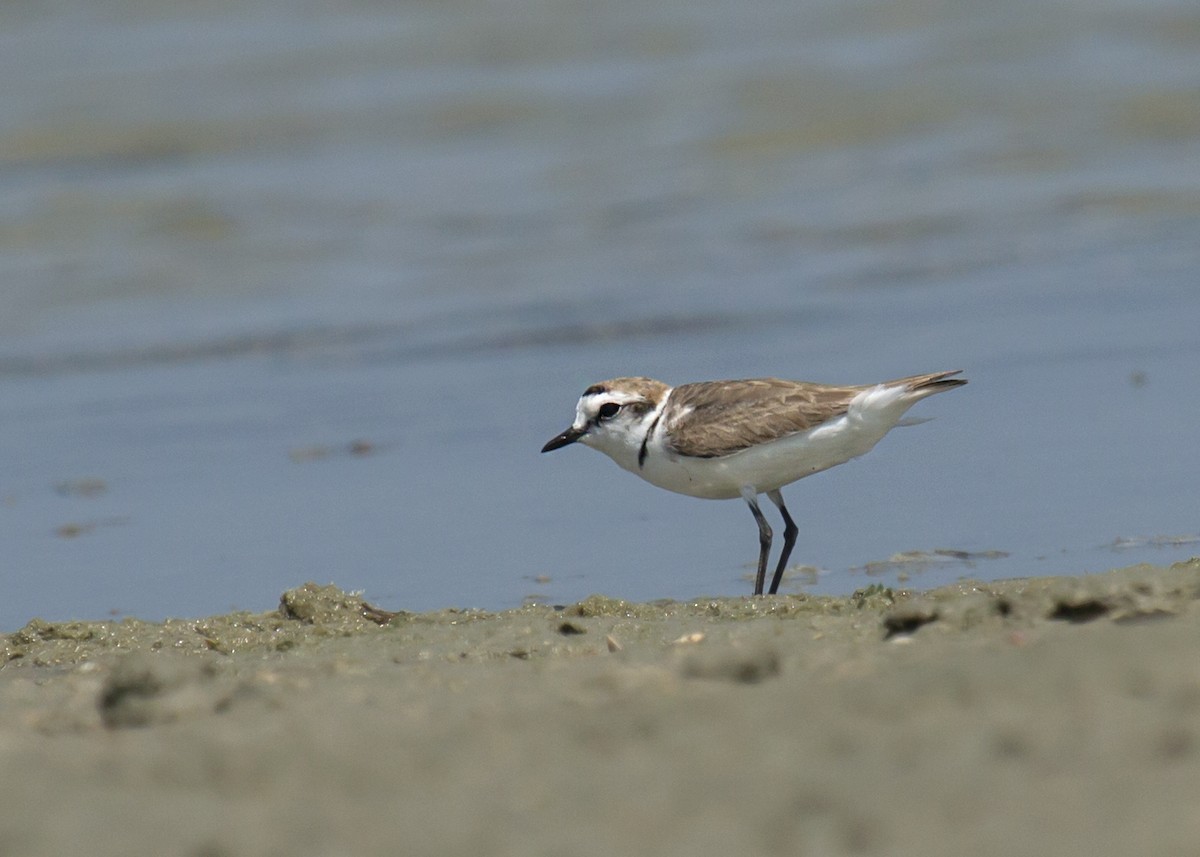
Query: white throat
627	439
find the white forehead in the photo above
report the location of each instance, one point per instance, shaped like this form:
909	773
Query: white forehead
589	403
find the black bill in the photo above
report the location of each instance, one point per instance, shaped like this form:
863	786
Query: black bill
568	437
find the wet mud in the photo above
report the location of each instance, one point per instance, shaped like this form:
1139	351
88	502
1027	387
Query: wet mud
1026	716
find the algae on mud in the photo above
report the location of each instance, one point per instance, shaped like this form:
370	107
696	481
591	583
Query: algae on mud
312	613
1047	715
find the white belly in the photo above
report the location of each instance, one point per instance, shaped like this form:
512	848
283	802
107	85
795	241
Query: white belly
772	465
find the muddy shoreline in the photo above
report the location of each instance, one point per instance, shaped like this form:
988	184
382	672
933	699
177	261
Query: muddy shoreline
1050	715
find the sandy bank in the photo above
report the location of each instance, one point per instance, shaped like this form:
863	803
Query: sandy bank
1029	716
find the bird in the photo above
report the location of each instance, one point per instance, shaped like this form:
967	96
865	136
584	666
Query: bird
722	440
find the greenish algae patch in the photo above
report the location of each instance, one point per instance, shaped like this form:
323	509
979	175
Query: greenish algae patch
1124	595
306	615
889	715
312	615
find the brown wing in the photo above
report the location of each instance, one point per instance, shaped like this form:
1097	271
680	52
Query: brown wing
726	416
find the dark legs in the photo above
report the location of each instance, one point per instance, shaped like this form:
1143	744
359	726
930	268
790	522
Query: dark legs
764	542
790	530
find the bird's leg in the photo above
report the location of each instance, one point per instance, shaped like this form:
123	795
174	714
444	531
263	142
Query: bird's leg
790	530
764	541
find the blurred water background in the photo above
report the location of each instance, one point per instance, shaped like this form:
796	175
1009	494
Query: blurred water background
296	291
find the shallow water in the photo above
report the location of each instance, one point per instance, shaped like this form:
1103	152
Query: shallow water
291	297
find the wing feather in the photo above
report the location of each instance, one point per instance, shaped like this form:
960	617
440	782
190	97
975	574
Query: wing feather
722	417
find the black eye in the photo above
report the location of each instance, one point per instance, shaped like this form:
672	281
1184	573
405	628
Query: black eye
608	410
